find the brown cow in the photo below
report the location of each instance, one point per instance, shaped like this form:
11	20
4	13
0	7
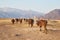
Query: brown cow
30	22
43	23
26	20
12	21
16	20
20	20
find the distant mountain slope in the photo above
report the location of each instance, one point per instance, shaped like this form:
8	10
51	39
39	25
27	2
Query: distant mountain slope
54	14
17	13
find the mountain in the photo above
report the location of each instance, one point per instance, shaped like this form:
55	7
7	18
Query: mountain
54	14
17	13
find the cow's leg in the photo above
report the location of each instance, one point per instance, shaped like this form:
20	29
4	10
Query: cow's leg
20	22
31	25
45	30
40	28
13	22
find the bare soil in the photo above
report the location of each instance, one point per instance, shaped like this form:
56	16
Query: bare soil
17	31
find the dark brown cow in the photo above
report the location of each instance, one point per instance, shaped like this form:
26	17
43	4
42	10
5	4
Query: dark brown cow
43	23
16	20
24	19
30	22
12	21
20	20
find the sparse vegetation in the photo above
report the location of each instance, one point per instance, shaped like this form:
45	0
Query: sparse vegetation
17	31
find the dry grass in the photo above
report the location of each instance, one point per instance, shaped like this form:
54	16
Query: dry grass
17	31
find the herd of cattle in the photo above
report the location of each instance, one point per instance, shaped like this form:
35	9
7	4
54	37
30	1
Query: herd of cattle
40	23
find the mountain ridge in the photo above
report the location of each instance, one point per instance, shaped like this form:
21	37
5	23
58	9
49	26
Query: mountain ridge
16	13
54	14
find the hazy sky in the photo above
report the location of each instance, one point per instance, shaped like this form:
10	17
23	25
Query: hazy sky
37	5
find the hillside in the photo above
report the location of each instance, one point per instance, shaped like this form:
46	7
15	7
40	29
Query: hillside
54	14
17	13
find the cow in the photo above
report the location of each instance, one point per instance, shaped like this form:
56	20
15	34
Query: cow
13	21
42	23
20	20
16	19
25	20
30	22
